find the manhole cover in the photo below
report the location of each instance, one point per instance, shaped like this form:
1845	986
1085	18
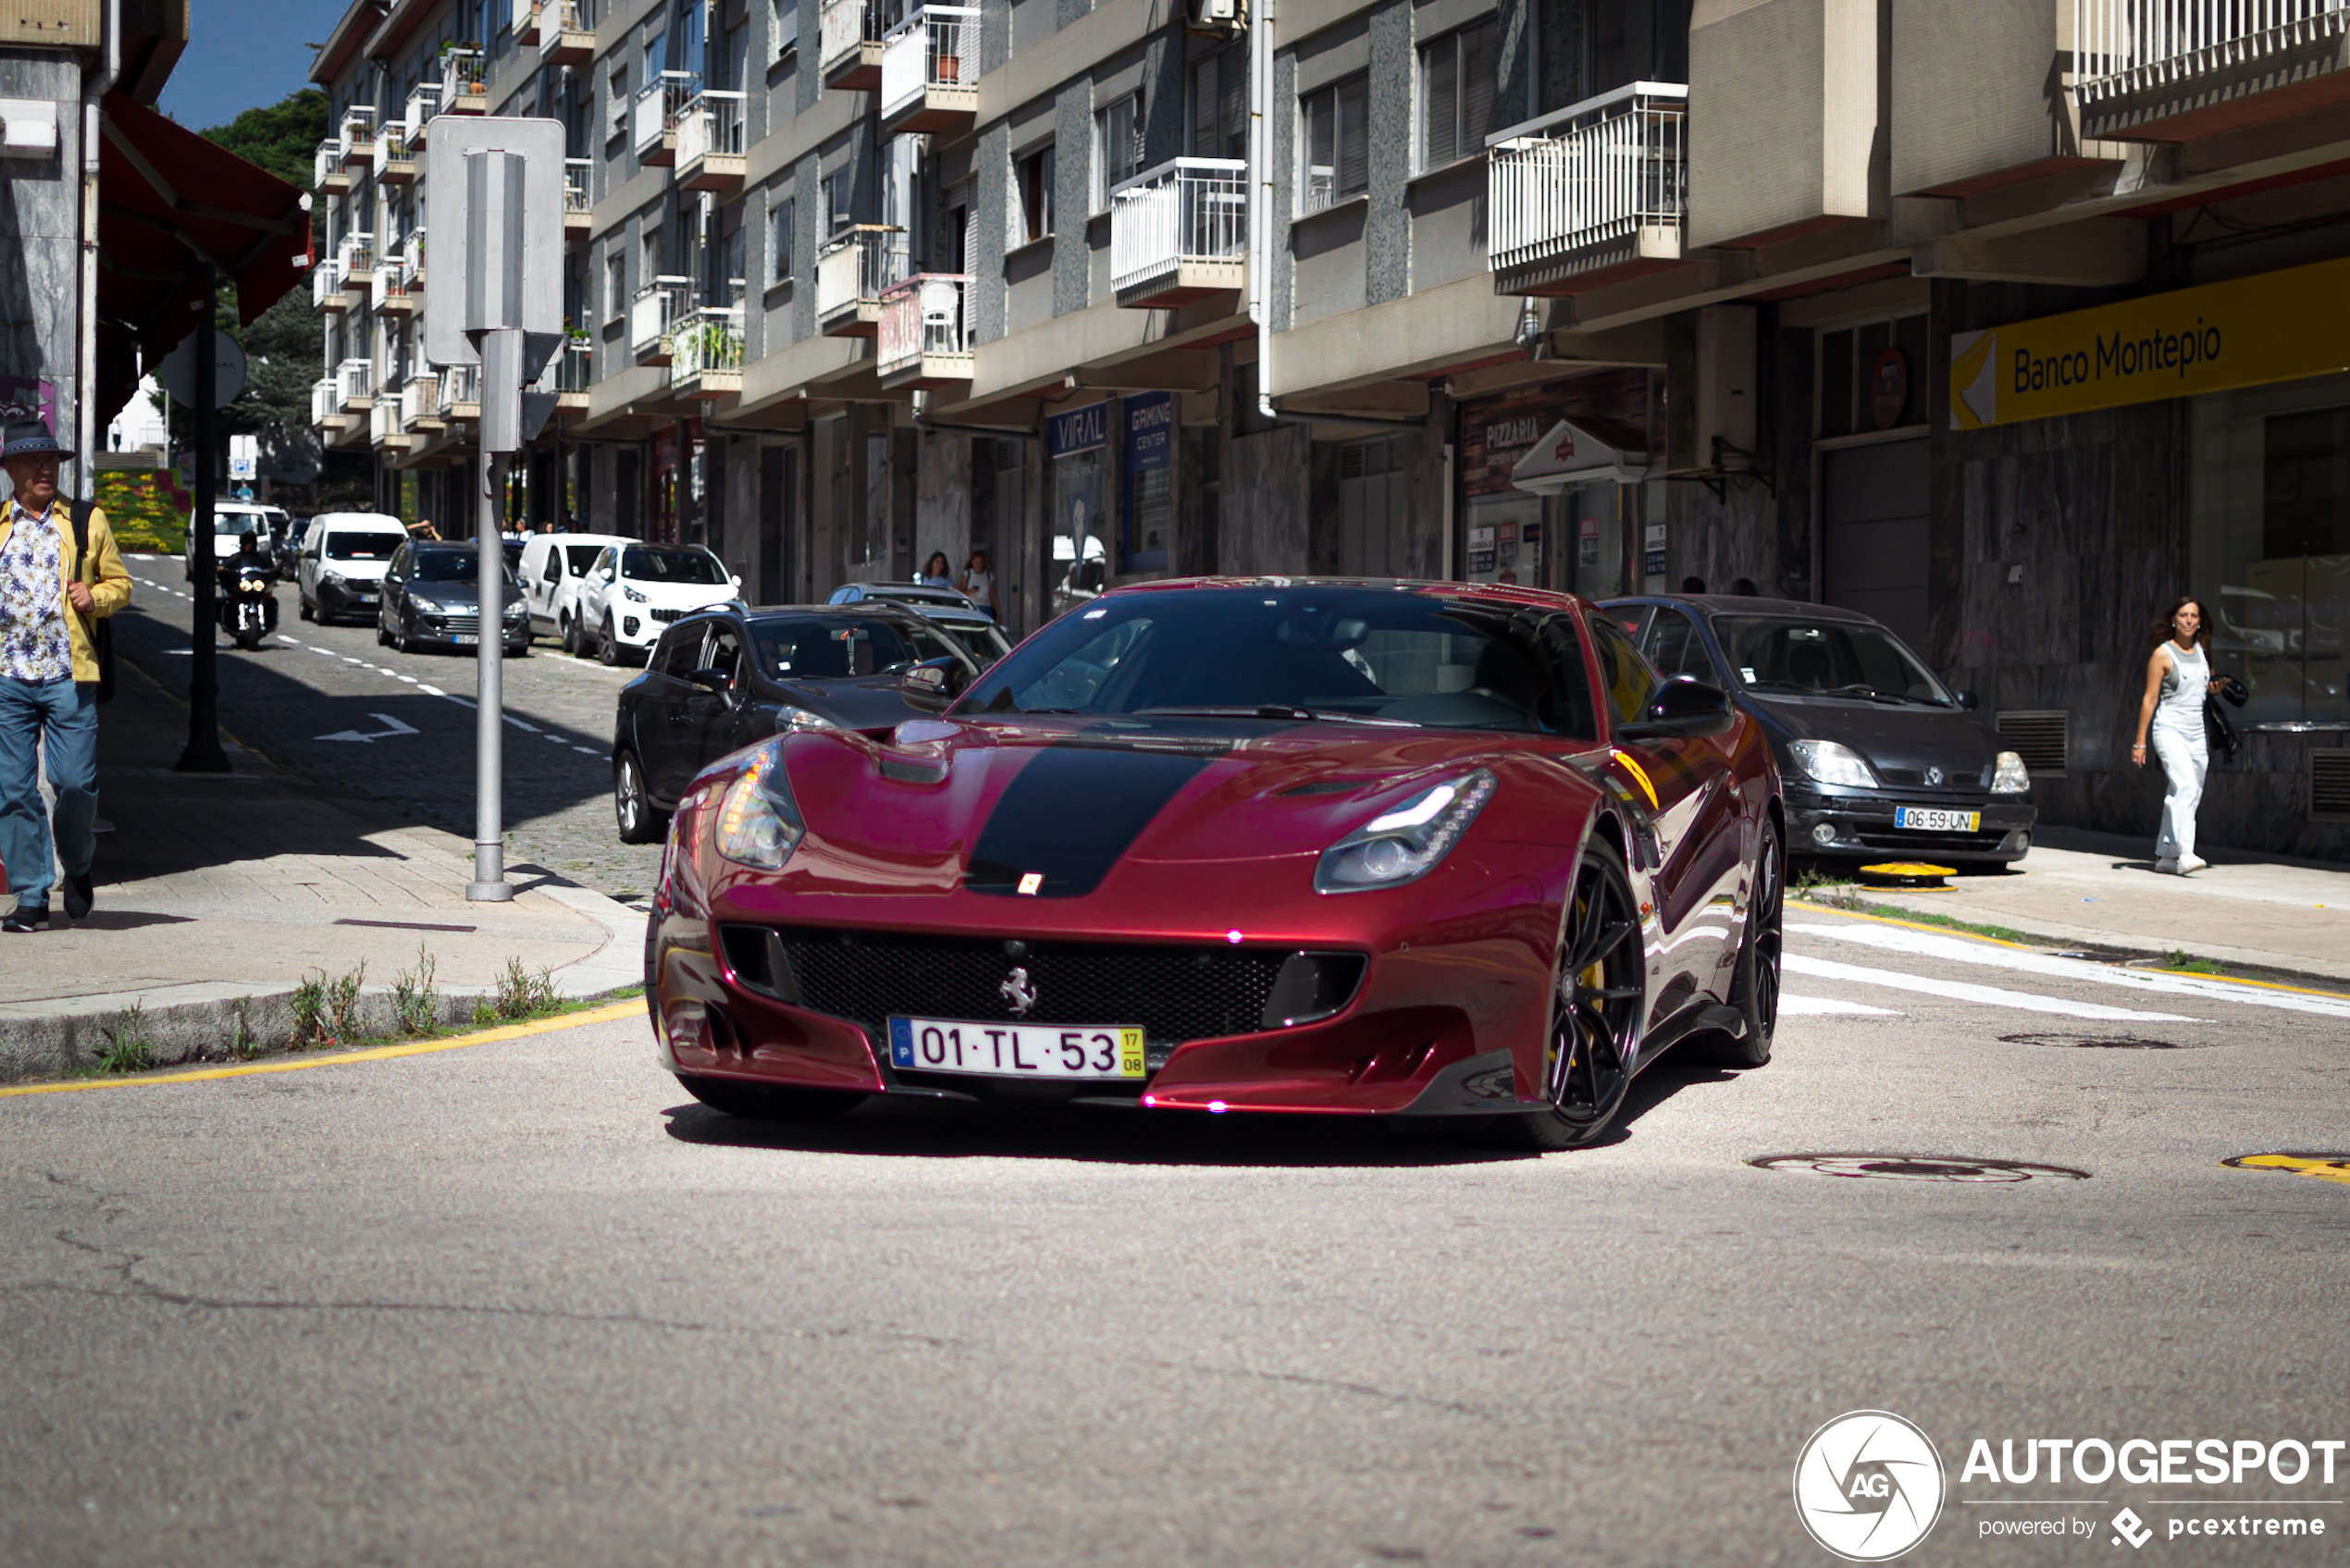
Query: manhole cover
2324	1167
2096	1041
1916	1167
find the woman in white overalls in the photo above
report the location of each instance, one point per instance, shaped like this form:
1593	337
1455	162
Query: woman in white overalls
2178	678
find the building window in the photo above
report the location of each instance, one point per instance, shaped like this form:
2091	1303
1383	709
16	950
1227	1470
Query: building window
840	204
1336	143
616	105
781	227
1118	146
1871	377
1032	196
783	28
1456	93
615	286
1219	106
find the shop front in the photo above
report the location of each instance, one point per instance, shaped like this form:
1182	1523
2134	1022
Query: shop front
1550	485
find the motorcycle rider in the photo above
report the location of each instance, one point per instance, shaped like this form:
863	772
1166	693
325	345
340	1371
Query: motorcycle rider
250	557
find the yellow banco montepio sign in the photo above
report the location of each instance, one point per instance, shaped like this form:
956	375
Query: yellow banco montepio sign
2246	332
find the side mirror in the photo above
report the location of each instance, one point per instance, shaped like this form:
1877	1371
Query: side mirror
1679	710
1969	700
712	680
933	683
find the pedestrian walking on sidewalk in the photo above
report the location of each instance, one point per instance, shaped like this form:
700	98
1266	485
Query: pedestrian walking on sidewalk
60	577
2178	680
977	583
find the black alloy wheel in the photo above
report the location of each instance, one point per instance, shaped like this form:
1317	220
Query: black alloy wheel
1599	1003
406	638
608	645
1755	992
632	806
383	631
760	1102
567	636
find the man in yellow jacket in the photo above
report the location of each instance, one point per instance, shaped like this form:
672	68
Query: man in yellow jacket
53	593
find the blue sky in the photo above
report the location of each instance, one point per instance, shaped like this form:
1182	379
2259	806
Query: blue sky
244	53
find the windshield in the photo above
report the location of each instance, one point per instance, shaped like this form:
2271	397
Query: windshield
1827	658
446	566
1374	655
362	546
582	557
234	522
838	648
984	643
671	564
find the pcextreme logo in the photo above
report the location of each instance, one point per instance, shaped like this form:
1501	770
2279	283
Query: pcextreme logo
1869	1486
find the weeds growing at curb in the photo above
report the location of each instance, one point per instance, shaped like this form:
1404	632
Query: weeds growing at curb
485	1012
522	995
325	1010
2179	958
127	1049
415	1000
244	1046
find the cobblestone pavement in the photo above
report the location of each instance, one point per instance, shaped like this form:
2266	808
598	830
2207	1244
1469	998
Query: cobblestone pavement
328	703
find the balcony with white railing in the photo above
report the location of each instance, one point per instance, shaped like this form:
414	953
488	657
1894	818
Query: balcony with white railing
424	102
564	37
395	155
420	404
924	332
657	305
386	429
527	16
930	71
358	137
710	143
355	260
2168	69
706	353
465	85
412	260
580	201
397	294
355	385
1178	232
569	375
326	173
853	270
652	121
326	286
325	404
849	35
1593	193
458	391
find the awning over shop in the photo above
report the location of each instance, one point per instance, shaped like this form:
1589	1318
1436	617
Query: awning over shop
168	201
1570	453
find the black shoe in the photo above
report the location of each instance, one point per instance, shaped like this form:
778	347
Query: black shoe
78	895
25	918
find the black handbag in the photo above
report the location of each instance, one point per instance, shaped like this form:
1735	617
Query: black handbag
2218	735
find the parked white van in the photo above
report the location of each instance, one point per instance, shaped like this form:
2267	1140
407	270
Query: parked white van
554	567
340	570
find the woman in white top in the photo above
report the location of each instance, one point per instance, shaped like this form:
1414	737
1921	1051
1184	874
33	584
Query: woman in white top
2178	679
933	573
978	583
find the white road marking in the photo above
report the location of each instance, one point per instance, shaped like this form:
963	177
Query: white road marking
392	727
286	640
589	750
430	690
1895	939
521	725
1789	1004
1986	995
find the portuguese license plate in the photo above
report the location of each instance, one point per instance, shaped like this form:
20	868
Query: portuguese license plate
1017	1050
1927	820
466	640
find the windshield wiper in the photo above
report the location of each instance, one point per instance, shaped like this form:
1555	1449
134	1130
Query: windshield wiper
1275	711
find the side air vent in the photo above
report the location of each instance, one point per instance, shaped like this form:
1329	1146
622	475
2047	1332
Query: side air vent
2330	786
2042	736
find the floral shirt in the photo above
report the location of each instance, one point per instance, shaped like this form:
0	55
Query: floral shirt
33	644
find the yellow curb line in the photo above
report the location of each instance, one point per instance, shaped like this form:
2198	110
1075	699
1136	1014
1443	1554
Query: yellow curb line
2028	947
607	1013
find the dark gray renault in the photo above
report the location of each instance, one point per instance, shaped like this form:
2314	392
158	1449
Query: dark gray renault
1877	758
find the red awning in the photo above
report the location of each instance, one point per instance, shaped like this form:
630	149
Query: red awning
169	201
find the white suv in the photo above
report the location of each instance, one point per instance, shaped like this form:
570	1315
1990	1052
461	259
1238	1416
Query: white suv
554	568
634	592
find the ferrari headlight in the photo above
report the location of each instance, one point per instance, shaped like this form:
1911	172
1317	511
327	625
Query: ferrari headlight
1832	764
1405	844
758	820
789	718
2012	777
635	596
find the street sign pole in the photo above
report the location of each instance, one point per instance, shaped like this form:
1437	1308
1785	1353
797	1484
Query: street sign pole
203	754
489	884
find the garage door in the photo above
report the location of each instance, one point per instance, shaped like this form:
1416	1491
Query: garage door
1874	544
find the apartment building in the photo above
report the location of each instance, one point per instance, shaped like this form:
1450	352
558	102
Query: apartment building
1824	299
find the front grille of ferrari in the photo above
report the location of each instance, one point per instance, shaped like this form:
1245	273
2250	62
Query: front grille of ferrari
1176	994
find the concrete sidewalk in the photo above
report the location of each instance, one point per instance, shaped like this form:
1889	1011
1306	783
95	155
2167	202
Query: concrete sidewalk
2101	889
218	894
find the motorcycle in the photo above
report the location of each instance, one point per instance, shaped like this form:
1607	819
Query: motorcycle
248	600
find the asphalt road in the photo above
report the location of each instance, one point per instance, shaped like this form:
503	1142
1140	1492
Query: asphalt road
525	1302
329	703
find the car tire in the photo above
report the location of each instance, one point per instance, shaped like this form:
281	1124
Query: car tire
302	609
632	804
1598	1004
760	1102
608	645
567	635
404	639
1755	991
383	632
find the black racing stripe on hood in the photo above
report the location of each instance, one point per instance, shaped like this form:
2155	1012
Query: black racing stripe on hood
1070	813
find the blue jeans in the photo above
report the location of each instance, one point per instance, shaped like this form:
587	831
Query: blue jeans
69	715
